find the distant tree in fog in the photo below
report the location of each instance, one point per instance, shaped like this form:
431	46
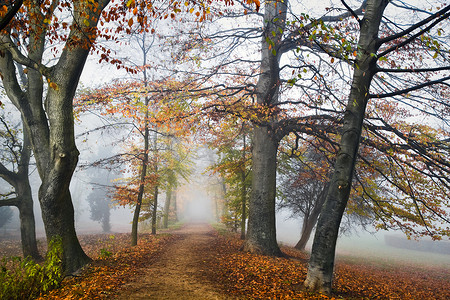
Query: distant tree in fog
6	214
100	209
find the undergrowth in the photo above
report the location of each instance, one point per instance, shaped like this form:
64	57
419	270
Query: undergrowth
22	278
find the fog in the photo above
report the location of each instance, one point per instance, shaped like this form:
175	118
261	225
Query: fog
370	245
196	203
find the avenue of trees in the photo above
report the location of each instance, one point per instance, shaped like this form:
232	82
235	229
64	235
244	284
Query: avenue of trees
337	112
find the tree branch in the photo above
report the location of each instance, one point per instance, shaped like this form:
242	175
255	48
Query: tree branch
412	28
10	14
414	88
10	202
18	57
351	11
385	70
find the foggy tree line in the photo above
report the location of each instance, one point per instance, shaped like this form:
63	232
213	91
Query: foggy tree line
341	83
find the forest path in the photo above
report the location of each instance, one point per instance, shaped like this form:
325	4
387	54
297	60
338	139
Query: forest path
177	271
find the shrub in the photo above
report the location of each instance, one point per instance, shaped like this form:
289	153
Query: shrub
25	279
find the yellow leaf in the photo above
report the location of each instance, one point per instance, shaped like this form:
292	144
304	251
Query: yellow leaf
54	86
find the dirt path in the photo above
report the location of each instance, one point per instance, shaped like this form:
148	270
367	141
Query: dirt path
178	272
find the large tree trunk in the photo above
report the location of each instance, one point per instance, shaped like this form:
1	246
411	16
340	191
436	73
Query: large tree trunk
261	233
321	264
50	123
25	205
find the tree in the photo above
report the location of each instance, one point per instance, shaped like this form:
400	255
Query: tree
261	234
6	214
408	156
46	105
270	121
99	200
178	167
47	114
304	179
9	10
17	158
303	188
152	109
321	264
233	165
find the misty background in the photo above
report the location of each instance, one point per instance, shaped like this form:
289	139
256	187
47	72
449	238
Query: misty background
195	201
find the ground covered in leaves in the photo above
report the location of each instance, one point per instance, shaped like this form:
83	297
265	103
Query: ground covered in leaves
199	263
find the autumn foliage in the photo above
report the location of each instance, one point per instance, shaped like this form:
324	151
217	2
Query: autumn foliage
111	271
248	276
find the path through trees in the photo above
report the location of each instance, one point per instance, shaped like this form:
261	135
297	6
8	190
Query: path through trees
179	272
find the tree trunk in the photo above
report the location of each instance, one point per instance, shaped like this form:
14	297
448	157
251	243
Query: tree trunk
23	200
155	209
311	220
321	264
243	194
25	206
137	209
261	232
175	209
167	207
50	123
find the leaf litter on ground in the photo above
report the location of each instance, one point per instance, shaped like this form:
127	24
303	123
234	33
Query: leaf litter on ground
243	275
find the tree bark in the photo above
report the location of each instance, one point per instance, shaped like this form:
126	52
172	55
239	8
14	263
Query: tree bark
167	207
311	220
243	193
25	205
50	123
23	200
155	209
143	175
155	192
175	209
261	232
321	264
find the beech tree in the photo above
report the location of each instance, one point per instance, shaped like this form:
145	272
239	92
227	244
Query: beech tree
265	113
14	169
370	49
304	179
303	188
46	105
230	139
45	102
151	108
